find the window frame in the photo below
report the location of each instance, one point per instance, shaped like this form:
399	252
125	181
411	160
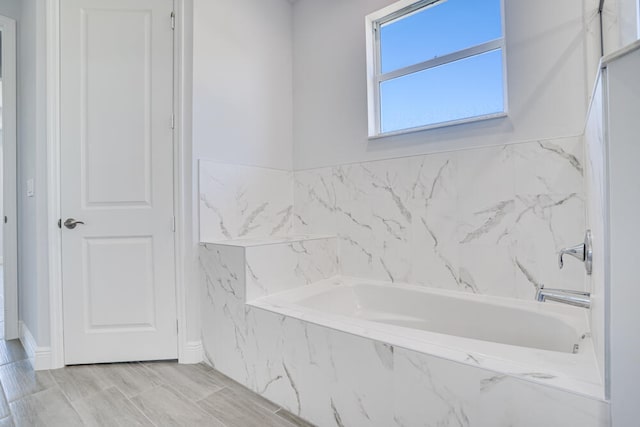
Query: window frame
375	77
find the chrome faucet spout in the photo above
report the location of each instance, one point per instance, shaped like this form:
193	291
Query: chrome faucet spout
565	296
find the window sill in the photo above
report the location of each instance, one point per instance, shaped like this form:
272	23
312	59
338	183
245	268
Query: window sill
437	126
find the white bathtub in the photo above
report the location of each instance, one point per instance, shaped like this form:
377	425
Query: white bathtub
543	342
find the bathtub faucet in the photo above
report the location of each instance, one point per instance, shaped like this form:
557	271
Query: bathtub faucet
565	296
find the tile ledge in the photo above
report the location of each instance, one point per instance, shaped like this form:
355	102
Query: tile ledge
272	240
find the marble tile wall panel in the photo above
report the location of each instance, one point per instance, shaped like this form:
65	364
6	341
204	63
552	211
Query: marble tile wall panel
224	335
278	267
595	191
315	202
331	377
244	202
488	220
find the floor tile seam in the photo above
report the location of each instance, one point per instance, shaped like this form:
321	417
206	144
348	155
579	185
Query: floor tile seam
130	400
211	394
267	410
185	396
26	356
43	391
290	423
236	385
4	395
190	401
102	385
39	391
197	403
139	409
284	420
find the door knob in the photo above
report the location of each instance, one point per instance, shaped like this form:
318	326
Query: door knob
71	223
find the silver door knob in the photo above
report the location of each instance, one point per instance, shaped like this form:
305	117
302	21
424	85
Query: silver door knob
71	223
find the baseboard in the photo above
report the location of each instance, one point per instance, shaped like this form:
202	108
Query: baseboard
191	353
39	357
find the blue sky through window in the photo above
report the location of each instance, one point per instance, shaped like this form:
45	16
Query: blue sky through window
466	88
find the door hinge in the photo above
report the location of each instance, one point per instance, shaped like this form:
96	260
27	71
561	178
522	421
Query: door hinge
173	121
173	20
173	224
60	223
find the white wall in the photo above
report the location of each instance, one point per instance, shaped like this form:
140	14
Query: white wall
32	272
10	8
548	83
240	98
622	109
242	93
628	21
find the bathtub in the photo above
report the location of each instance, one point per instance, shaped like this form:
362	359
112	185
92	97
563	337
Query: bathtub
542	342
343	351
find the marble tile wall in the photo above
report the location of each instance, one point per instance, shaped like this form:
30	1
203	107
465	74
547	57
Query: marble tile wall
244	202
331	377
487	220
279	267
595	191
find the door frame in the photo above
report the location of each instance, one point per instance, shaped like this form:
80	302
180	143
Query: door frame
188	351
9	171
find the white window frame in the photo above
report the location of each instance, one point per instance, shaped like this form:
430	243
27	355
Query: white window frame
375	77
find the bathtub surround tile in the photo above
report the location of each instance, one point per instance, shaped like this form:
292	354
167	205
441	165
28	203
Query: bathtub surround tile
429	219
521	396
447	393
279	267
488	220
549	167
556	221
244	202
331	377
314	199
375	217
435	223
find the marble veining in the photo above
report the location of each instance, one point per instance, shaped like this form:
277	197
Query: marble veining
487	220
244	202
332	377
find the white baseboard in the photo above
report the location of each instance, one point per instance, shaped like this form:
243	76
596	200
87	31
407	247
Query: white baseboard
40	357
191	353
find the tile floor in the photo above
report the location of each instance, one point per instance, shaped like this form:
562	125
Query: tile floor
128	394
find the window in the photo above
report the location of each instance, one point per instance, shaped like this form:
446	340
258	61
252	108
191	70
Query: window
435	63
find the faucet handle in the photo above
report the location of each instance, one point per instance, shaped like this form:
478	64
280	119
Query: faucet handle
577	251
583	252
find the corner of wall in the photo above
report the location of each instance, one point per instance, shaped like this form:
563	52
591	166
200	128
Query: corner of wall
39	356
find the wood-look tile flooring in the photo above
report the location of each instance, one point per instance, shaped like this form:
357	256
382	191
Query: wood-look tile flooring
128	394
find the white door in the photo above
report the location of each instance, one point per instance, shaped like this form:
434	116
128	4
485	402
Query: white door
118	265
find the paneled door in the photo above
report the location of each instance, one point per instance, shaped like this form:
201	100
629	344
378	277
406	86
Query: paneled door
118	265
